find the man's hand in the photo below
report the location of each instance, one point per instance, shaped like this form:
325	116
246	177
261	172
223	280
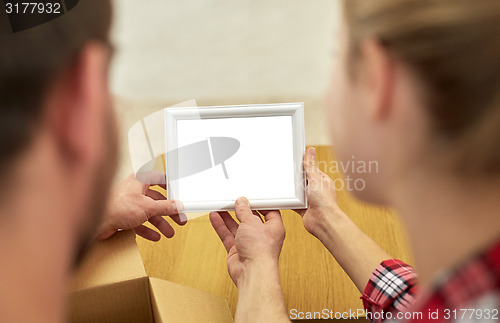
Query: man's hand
132	203
321	196
250	242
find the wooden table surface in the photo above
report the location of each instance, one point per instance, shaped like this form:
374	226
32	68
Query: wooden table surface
311	278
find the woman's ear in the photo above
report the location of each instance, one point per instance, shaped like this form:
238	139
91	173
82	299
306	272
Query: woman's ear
377	76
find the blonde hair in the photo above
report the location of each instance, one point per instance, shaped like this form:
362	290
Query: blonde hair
453	46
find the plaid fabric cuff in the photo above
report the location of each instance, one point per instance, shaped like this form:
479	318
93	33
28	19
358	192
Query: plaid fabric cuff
390	288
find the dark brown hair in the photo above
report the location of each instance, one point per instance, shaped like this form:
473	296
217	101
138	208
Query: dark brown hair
453	47
31	60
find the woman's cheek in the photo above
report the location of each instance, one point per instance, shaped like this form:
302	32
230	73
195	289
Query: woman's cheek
336	105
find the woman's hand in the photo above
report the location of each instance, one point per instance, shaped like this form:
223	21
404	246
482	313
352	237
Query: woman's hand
132	203
321	196
353	249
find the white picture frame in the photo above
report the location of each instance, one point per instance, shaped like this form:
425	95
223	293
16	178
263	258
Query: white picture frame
254	151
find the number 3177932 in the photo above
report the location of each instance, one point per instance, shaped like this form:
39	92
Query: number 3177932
33	8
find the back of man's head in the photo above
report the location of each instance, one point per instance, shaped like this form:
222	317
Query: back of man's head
30	61
57	152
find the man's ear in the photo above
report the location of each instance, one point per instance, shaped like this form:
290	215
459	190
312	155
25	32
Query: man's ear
377	77
77	101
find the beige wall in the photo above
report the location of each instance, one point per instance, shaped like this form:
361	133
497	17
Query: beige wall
223	52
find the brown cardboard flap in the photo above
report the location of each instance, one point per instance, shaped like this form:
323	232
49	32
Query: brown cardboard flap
123	302
109	261
111	285
176	303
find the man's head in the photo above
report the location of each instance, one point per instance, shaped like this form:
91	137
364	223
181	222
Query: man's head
56	115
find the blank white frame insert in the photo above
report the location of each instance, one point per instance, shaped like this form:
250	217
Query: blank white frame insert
217	154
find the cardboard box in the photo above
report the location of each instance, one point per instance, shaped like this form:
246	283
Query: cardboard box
111	285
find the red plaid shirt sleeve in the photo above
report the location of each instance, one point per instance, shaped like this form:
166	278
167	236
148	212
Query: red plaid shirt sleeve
473	285
391	288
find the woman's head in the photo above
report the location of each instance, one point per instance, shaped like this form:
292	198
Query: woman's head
419	82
